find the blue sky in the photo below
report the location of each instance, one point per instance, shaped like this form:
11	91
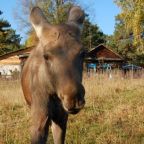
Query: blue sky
101	12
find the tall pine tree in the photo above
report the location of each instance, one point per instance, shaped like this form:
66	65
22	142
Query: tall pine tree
92	36
9	40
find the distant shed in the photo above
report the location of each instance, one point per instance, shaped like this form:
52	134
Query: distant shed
103	54
102	58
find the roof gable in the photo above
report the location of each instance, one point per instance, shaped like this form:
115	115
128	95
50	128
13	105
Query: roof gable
102	52
18	52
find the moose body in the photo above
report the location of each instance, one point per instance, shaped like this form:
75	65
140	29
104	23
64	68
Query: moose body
52	75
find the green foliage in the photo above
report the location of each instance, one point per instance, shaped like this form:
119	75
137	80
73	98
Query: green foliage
121	42
91	35
54	10
9	40
127	38
132	16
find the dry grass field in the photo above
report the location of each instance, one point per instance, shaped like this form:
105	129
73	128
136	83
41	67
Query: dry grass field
113	114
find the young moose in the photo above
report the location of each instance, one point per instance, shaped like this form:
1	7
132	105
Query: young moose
52	75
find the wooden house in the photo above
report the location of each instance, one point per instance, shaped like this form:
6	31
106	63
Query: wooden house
102	56
13	61
102	53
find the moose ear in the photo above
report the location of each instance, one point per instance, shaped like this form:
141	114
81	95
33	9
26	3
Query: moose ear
76	16
38	20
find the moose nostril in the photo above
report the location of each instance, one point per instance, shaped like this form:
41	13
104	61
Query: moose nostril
81	103
46	56
70	109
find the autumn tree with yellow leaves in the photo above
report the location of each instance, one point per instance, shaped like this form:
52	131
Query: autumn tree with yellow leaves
132	16
128	37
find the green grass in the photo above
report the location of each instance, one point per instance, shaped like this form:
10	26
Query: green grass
114	113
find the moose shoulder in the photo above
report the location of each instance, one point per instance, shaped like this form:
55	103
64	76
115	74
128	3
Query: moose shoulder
52	75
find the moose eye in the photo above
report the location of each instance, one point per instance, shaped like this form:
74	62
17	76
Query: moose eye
46	56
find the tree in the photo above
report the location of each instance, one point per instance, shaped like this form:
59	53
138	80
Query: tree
122	42
132	16
54	10
91	35
9	40
128	39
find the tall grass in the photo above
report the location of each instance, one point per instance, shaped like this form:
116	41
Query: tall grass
113	114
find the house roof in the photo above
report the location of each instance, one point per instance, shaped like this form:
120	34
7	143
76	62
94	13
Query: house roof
18	52
101	52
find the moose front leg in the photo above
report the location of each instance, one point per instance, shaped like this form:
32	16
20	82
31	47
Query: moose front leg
59	129
40	126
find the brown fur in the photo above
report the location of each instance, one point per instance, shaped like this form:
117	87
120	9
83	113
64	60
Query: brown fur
52	75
